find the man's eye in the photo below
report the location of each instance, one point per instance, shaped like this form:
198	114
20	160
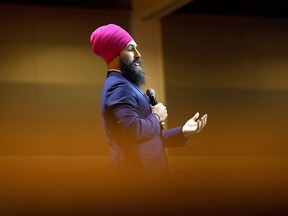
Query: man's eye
131	48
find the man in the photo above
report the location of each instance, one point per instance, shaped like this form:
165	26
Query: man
132	125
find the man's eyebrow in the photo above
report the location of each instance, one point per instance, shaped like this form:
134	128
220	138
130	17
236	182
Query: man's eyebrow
131	45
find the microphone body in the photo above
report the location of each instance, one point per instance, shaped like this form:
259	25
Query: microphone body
151	95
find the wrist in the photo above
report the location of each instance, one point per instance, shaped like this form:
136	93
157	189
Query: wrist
158	117
185	132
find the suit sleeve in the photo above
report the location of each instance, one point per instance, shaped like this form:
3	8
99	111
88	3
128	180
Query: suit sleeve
174	137
123	105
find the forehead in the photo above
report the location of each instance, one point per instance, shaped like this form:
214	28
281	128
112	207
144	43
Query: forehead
132	43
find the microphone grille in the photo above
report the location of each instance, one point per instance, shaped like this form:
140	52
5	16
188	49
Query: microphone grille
150	92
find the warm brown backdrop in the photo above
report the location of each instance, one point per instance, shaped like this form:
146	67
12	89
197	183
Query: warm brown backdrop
236	70
53	148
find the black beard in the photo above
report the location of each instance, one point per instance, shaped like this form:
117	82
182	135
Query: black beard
133	73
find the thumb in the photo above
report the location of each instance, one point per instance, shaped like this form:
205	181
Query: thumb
195	116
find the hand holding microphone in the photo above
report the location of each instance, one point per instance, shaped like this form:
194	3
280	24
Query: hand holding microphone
160	111
157	108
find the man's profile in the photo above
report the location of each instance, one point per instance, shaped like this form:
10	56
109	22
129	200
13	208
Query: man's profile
131	123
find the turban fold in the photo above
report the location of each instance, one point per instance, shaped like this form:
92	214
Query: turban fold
108	41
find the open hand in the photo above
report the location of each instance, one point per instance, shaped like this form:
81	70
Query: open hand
194	125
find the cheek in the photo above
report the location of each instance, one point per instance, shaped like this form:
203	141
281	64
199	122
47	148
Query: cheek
128	57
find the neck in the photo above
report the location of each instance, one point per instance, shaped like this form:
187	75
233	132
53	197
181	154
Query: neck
114	65
113	69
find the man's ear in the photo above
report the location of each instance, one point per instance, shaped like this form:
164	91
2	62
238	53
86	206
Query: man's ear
115	63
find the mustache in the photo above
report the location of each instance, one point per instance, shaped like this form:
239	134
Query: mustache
138	61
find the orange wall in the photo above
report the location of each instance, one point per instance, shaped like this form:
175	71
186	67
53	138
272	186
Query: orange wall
53	153
234	69
51	81
52	144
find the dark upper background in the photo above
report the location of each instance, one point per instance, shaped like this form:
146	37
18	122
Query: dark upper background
275	8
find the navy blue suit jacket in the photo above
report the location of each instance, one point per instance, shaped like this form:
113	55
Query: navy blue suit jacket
133	132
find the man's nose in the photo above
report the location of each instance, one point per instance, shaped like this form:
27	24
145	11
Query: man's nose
137	54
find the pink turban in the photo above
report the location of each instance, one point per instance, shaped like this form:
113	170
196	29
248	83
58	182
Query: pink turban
108	41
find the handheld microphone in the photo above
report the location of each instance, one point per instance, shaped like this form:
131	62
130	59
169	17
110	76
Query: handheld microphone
151	95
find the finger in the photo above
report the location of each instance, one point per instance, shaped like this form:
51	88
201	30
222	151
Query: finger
202	125
195	116
203	119
199	126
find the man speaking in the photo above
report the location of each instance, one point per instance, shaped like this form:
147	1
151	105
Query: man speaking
131	122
